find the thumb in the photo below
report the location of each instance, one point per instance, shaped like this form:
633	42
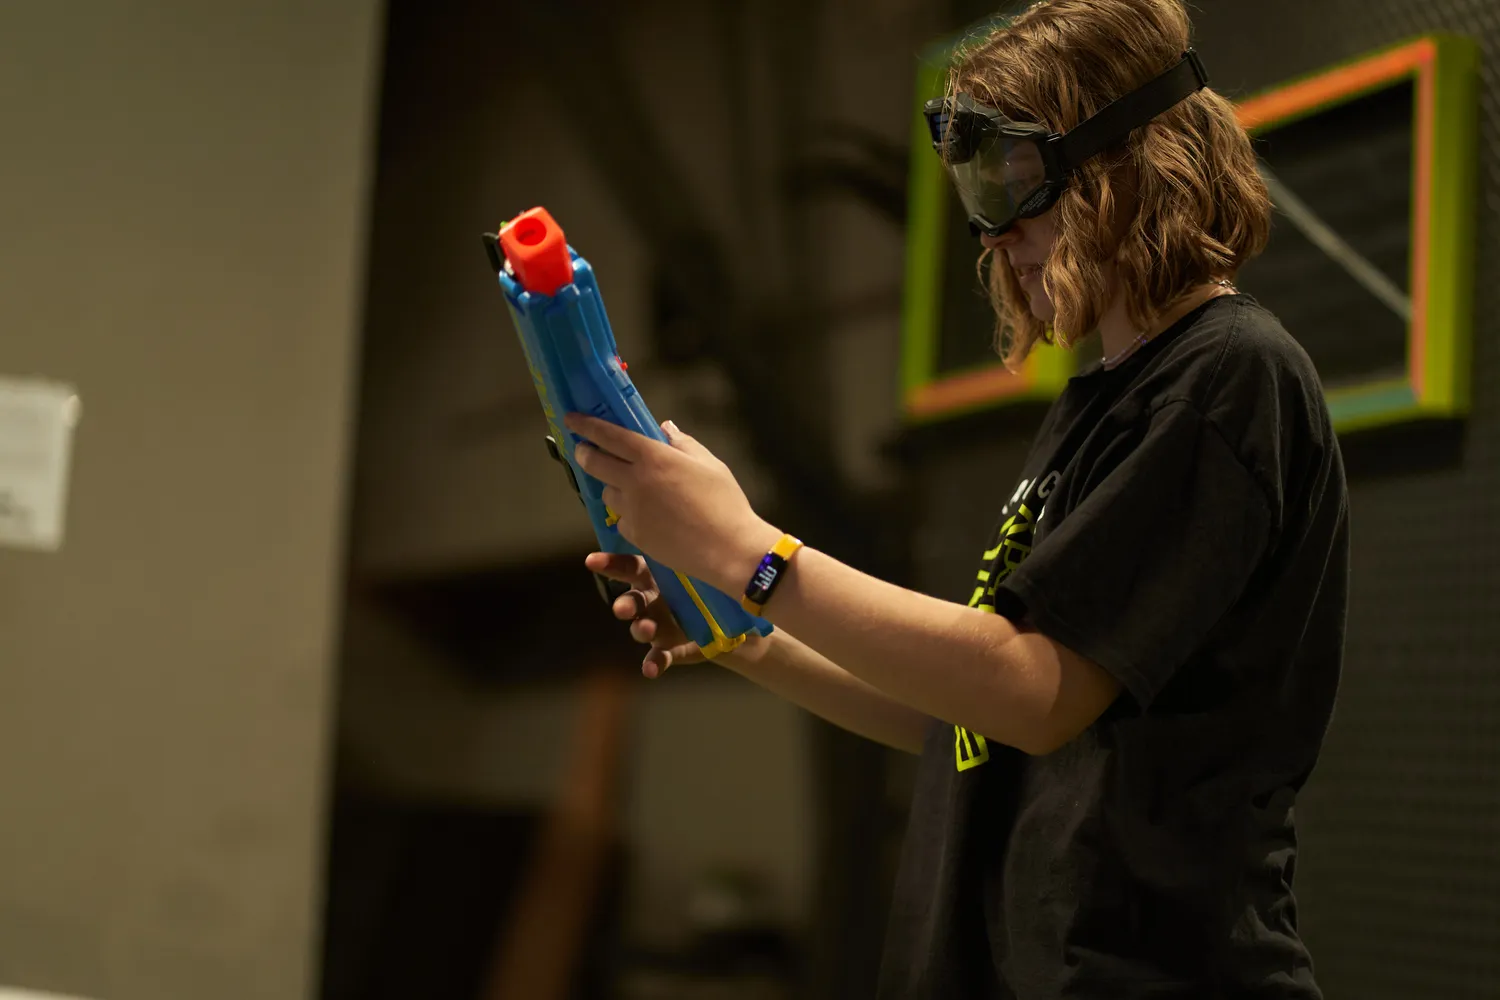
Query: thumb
682	441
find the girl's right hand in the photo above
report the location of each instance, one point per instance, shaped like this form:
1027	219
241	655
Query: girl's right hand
651	621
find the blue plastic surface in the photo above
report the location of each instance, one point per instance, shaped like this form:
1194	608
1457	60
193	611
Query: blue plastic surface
575	366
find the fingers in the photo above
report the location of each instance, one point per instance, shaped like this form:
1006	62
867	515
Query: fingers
634	606
617	440
661	657
625	568
641	608
656	662
643	630
683	441
602	465
630	606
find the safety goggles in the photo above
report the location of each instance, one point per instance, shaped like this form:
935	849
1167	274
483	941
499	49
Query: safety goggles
1006	170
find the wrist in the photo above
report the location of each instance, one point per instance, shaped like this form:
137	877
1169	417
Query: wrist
743	557
748	653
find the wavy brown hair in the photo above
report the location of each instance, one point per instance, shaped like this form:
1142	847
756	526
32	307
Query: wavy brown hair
1178	204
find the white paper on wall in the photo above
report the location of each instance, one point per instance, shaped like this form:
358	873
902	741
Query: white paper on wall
37	418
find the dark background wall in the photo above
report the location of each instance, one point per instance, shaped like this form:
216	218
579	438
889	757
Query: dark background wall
1399	877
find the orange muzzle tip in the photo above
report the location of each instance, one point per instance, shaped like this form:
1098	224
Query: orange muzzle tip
534	244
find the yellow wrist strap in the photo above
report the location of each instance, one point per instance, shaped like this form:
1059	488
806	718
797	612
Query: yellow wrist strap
769	573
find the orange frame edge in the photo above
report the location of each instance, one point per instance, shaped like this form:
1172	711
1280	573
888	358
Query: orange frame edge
1418	59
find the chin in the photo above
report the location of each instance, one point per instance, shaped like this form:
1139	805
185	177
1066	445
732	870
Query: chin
1041	308
1039	303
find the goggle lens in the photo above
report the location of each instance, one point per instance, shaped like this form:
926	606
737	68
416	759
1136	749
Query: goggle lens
1005	179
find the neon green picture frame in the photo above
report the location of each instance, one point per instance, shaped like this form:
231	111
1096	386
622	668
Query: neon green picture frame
1444	70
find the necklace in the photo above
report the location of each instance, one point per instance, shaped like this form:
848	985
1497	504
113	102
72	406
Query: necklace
1136	344
1129	350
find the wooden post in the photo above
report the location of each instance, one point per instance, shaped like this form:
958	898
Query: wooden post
538	953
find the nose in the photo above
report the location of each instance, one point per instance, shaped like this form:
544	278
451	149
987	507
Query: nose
1009	238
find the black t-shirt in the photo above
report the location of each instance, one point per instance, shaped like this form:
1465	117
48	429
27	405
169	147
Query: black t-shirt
1182	522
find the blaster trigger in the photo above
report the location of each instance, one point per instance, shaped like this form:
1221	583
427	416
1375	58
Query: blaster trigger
610	590
556	454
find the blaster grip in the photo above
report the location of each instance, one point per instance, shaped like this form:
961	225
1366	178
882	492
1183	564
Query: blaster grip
709	617
703	612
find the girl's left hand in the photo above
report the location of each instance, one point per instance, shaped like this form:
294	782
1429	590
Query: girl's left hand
675	501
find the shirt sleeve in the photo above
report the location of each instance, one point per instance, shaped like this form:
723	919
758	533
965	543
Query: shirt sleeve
1161	545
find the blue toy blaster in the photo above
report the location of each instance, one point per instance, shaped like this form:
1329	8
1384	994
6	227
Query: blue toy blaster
575	367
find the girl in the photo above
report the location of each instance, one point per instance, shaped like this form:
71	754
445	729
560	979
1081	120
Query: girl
1114	723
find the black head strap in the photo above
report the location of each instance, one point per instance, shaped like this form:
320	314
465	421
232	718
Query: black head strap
1135	109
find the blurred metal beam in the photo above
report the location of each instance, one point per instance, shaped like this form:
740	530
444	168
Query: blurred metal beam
739	38
850	901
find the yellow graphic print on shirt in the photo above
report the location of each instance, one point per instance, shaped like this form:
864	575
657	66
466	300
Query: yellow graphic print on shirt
1012	545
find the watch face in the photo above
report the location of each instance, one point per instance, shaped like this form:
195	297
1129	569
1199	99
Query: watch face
766	574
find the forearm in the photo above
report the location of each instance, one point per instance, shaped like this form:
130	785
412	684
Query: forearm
942	659
793	670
